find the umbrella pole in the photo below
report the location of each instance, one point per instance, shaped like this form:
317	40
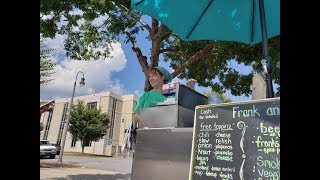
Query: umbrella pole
267	58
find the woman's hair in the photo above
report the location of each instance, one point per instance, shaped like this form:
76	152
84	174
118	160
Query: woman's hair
156	71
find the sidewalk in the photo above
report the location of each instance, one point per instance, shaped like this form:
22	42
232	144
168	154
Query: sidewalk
80	174
86	168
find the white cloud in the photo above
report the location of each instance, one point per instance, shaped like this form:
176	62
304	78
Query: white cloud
99	20
57	44
96	74
138	92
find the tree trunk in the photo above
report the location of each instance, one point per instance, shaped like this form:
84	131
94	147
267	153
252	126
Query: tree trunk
82	146
156	34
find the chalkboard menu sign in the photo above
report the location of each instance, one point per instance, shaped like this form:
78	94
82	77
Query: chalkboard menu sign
238	141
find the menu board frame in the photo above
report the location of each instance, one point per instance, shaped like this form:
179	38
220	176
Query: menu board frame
251	142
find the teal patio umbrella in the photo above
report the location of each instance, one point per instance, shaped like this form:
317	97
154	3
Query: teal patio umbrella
245	21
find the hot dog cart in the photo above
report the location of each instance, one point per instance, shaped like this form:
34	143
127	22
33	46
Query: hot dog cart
164	137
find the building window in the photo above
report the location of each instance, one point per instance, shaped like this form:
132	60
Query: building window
46	130
113	116
73	142
63	118
58	142
92	105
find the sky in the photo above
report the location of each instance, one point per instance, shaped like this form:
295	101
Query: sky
120	73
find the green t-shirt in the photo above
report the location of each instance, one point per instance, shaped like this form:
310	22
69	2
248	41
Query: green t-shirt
149	99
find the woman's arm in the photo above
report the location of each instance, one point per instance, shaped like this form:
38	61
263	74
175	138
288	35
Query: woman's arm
136	112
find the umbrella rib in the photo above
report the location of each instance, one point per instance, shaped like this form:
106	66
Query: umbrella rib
139	2
199	19
252	21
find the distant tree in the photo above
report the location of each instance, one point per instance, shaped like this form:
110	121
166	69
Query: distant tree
46	64
225	99
41	126
223	96
86	124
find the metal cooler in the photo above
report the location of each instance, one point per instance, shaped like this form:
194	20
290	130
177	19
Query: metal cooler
180	113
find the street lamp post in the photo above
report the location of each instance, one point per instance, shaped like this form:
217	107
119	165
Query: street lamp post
65	128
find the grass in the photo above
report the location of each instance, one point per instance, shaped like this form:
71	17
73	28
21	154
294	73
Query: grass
83	154
48	164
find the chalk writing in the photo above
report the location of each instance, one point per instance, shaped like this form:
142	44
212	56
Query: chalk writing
253	112
201	168
215	168
222	127
205	126
274	111
198	173
211	174
205	111
216	127
205	145
225	176
224	135
224	158
212	116
270	164
223	141
204	134
273	131
265	173
200	158
228	153
206	152
228	169
269	150
237	141
203	140
221	147
266	143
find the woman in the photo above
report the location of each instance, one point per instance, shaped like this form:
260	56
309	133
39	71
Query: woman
158	76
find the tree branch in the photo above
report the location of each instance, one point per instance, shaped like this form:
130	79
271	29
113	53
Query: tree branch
141	58
155	27
197	56
156	37
174	52
145	25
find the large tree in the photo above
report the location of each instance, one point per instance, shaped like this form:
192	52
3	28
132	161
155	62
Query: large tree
200	60
86	124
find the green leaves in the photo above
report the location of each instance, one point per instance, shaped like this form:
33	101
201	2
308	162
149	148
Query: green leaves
87	124
41	126
46	64
214	70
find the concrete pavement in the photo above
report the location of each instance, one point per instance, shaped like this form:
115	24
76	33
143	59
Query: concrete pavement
81	174
84	168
